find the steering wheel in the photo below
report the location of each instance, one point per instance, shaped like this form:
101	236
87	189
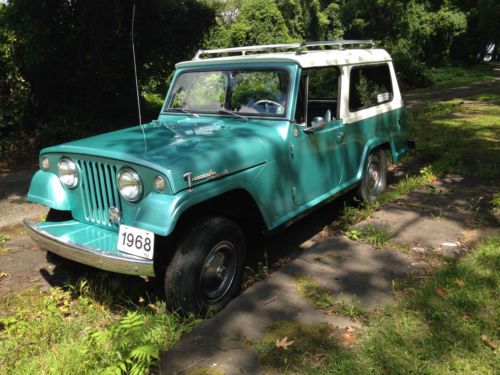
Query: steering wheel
267	103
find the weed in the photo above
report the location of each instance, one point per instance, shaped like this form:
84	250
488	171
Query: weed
376	235
4	238
322	299
354	234
401	247
262	270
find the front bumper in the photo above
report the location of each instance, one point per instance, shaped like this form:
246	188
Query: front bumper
105	260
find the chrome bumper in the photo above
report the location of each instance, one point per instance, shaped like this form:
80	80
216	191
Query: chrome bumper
88	255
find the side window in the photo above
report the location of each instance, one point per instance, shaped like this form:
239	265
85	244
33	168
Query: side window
322	93
369	86
323	83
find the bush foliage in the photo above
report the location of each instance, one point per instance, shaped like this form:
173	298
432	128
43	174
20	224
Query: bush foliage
66	66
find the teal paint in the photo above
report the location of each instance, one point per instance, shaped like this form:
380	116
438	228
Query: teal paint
286	171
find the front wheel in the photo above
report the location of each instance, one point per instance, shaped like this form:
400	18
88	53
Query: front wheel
374	179
205	272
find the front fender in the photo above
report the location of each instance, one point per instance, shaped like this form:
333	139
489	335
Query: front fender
46	189
159	213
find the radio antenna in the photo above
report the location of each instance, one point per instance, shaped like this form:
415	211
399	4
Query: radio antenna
136	82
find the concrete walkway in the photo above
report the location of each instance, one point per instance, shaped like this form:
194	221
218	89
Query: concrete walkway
438	219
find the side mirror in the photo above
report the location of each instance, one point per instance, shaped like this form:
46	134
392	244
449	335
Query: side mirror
317	123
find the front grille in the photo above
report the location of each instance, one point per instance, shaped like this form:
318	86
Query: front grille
99	191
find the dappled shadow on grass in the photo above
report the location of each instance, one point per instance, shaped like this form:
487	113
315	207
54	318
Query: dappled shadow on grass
441	324
116	291
445	324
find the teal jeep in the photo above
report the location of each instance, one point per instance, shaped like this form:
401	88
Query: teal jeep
247	137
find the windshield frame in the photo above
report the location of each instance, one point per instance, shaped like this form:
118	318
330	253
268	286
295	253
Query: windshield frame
167	110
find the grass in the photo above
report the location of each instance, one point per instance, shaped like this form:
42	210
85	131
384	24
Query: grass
312	345
447	324
377	236
95	326
322	299
449	76
459	136
4	238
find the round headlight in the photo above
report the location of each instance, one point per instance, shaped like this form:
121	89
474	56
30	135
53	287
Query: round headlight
68	173
160	183
45	163
129	184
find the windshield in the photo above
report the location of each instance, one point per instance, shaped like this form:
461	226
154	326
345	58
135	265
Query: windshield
244	91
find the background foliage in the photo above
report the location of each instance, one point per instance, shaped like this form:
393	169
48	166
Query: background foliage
66	66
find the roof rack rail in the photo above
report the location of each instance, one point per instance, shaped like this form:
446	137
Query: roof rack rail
298	47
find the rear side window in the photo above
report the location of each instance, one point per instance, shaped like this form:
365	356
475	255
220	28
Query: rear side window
369	86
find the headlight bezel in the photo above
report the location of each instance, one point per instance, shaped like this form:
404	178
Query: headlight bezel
136	177
73	168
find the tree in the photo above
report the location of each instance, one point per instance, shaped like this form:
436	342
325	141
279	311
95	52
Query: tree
259	22
76	55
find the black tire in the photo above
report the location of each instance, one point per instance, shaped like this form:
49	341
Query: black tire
57	215
192	278
374	179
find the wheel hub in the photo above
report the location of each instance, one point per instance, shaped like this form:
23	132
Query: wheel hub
218	271
374	178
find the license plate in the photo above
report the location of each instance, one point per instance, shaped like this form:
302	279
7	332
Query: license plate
136	241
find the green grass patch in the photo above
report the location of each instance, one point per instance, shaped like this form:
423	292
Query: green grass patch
376	235
4	238
312	345
460	136
447	324
96	326
322	299
450	76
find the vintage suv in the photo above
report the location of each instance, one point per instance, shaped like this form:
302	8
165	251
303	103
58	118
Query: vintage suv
248	137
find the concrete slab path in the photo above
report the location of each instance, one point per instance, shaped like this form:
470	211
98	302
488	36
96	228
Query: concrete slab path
436	219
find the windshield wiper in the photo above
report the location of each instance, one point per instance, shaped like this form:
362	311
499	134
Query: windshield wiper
183	110
223	110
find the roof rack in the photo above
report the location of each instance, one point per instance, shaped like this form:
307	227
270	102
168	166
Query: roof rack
299	48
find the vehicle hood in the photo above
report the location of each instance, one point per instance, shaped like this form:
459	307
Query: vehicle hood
176	147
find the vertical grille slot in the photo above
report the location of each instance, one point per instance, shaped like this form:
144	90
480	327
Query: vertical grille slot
99	191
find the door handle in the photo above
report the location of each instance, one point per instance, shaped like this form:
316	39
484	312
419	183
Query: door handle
340	137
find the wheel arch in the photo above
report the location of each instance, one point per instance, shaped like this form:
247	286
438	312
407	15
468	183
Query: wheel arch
372	146
236	204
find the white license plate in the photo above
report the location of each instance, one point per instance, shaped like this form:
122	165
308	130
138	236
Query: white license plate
136	241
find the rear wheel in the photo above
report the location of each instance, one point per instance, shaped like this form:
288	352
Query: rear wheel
374	179
205	272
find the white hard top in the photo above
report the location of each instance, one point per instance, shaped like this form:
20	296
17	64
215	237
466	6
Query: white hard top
301	55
